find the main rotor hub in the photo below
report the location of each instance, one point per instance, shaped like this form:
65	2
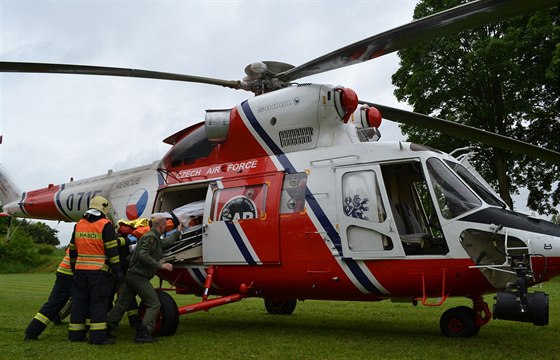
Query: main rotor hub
262	76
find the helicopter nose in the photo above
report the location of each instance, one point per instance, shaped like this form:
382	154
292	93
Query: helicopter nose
11	208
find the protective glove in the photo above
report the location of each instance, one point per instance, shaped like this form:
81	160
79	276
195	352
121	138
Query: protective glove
133	239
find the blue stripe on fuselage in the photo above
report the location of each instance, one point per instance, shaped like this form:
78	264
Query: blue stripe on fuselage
22	204
240	243
59	204
315	207
199	275
269	142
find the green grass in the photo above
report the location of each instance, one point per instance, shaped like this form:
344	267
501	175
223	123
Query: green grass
46	263
317	330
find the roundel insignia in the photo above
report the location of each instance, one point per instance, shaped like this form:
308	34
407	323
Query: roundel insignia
239	207
136	204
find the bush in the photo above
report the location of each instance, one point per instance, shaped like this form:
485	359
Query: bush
45	249
19	253
12	267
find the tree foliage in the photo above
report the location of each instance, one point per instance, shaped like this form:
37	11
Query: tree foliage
38	232
29	244
503	78
20	249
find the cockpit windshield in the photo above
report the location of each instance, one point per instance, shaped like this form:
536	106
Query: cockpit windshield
453	197
475	184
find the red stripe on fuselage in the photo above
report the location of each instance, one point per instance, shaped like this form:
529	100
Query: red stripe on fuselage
545	268
431	277
308	270
40	204
240	144
230	158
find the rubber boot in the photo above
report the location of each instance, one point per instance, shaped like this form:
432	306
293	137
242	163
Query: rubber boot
142	335
99	337
108	341
34	329
109	332
134	321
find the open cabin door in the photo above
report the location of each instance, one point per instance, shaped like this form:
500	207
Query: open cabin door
241	220
367	230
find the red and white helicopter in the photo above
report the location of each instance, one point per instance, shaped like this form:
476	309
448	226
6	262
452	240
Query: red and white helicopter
298	201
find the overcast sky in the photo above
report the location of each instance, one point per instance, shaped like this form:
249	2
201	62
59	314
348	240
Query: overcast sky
56	127
60	126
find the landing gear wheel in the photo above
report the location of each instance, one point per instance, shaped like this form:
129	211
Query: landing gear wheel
280	306
458	322
167	320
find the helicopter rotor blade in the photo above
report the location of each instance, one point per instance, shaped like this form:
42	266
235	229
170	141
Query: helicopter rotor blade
447	22
466	132
29	67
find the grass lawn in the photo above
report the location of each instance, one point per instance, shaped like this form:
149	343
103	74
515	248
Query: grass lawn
316	330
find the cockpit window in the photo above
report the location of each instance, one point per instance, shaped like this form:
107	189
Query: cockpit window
190	148
453	197
476	185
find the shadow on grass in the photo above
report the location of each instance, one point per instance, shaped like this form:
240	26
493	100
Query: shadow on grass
288	325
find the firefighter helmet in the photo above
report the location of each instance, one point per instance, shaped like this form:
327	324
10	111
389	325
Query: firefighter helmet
99	203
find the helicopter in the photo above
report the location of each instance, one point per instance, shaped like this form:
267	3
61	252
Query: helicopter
294	198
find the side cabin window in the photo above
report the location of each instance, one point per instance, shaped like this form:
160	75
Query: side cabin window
363	216
361	196
239	203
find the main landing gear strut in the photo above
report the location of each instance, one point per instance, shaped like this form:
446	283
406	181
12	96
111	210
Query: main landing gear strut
463	321
207	304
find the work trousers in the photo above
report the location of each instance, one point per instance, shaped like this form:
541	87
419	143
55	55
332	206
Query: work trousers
59	296
132	309
136	285
90	294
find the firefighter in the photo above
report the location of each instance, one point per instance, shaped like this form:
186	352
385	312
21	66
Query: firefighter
144	264
118	288
59	296
93	251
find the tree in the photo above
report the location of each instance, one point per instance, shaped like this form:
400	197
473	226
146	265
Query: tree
503	78
41	233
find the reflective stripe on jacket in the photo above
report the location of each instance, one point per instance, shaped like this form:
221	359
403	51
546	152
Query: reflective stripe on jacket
64	266
88	240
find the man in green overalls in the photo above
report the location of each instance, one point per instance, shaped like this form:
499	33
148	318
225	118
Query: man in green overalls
144	265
